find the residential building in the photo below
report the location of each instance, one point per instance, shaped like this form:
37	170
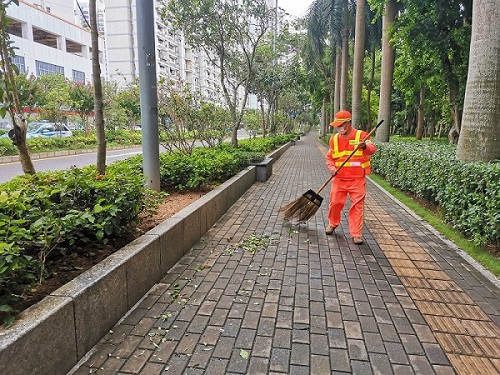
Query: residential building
82	15
175	59
47	43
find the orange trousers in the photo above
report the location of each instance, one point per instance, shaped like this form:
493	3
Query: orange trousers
356	190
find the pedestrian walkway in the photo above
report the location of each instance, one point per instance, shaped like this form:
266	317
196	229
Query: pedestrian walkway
257	295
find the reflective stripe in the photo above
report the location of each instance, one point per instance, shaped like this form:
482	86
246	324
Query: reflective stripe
350	164
357	160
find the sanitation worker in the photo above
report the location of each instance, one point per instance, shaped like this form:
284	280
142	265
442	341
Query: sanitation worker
350	180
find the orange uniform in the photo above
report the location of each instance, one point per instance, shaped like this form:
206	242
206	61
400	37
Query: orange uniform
350	180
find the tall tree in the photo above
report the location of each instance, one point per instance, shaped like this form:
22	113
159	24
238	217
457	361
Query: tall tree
440	30
8	92
344	71
479	138
229	32
359	57
324	23
387	71
98	102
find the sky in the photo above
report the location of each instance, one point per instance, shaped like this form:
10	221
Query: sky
295	7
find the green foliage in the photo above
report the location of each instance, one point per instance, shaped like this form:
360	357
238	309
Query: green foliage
205	167
467	193
79	141
56	211
188	117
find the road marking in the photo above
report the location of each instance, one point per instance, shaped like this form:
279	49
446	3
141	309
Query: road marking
120	155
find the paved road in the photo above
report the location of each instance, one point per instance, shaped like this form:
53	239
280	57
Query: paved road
257	295
49	162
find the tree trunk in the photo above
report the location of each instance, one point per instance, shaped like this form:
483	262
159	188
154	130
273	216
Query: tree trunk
265	119
420	114
479	138
344	69
338	67
98	105
369	94
11	98
455	111
432	129
387	72
358	69
324	115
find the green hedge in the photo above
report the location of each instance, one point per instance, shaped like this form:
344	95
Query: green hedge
54	213
467	193
78	141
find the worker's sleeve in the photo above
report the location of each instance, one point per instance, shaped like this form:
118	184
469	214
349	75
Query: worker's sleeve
370	148
330	163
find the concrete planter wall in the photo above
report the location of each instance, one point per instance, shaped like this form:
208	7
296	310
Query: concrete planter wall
53	335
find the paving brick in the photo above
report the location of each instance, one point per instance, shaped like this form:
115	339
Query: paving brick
339	360
357	349
262	346
319	364
237	363
373	342
280	360
380	364
258	366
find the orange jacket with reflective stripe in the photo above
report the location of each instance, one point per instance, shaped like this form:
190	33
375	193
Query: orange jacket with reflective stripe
341	147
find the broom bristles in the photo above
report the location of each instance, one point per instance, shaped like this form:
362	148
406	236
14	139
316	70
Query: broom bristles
301	209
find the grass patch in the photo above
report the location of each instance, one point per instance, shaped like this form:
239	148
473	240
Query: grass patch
480	254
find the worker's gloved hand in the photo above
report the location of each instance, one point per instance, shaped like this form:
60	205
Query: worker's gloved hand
362	145
333	171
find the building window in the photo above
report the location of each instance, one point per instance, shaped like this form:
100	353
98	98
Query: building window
78	76
43	68
19	62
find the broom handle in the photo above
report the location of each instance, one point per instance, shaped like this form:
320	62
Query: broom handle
350	155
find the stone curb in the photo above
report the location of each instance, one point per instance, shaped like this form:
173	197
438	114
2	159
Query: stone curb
53	335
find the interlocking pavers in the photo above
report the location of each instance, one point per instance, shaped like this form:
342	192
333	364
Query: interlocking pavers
403	302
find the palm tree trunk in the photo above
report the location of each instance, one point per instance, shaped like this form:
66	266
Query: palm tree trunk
480	134
369	93
344	68
358	69
387	72
338	67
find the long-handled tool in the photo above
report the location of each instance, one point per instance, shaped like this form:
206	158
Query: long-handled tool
305	206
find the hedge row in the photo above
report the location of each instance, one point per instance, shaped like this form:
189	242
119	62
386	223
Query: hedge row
53	214
78	141
467	193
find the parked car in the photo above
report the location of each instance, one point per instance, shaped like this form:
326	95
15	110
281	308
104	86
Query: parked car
48	129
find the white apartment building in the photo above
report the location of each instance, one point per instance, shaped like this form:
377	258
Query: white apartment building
82	15
175	60
47	43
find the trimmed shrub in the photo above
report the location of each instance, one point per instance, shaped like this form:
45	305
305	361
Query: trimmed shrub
467	193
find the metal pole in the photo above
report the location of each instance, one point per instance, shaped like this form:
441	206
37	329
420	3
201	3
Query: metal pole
148	91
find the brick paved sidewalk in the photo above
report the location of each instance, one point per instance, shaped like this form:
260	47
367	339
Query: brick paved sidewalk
257	295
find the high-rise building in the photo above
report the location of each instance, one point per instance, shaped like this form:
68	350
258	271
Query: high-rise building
48	43
82	15
175	59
